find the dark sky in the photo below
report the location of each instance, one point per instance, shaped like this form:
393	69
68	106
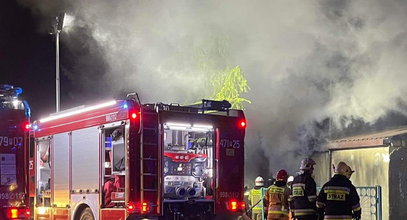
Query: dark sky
27	57
27	60
304	62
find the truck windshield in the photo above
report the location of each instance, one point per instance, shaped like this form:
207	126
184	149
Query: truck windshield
12	104
9	99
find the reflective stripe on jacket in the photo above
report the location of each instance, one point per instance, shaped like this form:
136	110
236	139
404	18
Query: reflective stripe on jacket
304	212
338	217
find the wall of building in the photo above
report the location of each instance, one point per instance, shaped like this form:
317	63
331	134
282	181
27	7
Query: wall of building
322	168
398	183
371	167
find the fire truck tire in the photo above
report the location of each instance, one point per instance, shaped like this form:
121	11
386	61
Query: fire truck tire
86	214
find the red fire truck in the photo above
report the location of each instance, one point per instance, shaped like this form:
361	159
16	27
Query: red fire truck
14	126
126	160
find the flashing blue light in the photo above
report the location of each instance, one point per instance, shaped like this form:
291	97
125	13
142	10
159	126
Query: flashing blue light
108	143
35	127
125	106
18	91
27	109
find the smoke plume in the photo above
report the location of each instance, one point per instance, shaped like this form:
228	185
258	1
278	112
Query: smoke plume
305	61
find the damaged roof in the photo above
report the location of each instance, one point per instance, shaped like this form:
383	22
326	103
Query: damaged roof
366	140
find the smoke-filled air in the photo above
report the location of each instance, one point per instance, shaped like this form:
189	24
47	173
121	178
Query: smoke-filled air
313	67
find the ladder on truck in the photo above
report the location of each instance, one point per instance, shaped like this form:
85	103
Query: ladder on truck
150	181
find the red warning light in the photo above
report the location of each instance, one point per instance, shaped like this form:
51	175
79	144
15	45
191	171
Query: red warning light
138	207
242	124
232	205
131	207
27	212
242	205
133	115
26	126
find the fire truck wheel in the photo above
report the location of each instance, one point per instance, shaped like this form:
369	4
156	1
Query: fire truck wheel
87	214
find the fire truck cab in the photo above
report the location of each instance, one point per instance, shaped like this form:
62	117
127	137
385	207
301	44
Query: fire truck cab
14	126
126	160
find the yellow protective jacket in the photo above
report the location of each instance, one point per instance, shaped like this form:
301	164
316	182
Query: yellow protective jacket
256	195
276	199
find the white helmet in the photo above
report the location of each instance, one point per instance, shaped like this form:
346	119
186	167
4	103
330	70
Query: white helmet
307	164
343	169
290	179
259	181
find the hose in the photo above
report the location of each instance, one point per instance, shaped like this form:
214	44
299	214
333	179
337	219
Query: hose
244	215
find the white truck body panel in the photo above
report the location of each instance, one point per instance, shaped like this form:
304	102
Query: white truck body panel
85	168
60	174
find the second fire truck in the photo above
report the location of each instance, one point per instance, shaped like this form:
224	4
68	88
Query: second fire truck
126	160
14	126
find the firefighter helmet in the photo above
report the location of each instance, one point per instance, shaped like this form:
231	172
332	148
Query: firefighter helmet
259	181
307	164
343	169
282	175
290	179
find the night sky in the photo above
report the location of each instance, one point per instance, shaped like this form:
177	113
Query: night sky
27	57
27	60
304	63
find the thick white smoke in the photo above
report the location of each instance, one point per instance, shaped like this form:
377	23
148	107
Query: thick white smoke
305	61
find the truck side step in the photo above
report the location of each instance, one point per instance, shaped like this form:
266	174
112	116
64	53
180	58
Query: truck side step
149	174
149	190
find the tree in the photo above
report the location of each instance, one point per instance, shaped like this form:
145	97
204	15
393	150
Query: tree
228	85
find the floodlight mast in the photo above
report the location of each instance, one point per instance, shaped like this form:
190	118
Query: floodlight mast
58	26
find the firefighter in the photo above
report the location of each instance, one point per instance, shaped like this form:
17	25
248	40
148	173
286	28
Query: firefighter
276	198
304	192
338	198
256	199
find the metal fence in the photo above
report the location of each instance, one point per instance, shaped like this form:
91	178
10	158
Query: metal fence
371	202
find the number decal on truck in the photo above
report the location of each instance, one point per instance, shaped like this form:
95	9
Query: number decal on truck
6	196
10	141
31	165
230	143
111	117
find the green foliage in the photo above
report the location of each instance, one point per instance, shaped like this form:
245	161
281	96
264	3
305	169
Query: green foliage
229	84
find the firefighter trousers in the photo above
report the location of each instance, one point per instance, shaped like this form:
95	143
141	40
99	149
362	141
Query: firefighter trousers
282	217
257	215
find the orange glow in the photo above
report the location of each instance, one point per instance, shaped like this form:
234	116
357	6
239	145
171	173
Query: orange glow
12	213
233	205
138	207
145	207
